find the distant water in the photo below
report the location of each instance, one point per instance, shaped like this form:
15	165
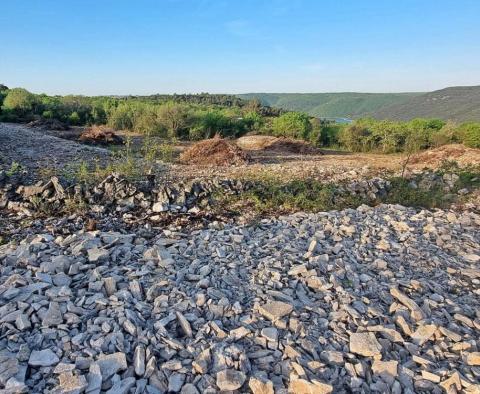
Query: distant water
340	120
343	120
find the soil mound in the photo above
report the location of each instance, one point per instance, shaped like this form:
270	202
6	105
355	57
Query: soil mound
454	152
214	151
100	135
276	144
48	124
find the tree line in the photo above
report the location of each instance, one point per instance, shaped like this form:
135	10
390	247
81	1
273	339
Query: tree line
199	116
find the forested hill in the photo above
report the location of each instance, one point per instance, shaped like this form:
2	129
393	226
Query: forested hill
332	105
459	103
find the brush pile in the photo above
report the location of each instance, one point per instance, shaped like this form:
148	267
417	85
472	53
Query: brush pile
277	144
100	135
214	152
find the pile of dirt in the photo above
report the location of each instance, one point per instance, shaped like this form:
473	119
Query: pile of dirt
454	152
214	151
100	135
48	124
277	144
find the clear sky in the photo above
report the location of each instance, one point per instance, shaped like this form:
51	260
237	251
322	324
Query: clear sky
238	46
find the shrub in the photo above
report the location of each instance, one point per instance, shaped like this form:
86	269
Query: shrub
448	134
355	138
253	120
470	134
121	117
216	122
174	117
47	114
74	118
292	124
20	101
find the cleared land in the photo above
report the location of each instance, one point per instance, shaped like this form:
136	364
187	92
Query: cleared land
107	297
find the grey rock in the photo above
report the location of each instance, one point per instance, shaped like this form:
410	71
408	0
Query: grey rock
43	358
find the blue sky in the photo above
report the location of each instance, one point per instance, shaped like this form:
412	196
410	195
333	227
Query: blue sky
165	46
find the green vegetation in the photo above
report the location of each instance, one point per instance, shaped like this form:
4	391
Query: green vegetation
174	116
386	136
270	195
20	102
459	103
292	124
469	133
201	116
331	105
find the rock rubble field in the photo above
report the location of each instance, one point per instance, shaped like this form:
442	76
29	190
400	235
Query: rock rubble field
383	299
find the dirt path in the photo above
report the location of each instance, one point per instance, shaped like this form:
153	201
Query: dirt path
37	151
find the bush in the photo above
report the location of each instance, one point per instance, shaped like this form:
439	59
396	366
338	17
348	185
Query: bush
175	118
356	138
74	118
253	120
470	134
448	134
209	123
293	125
121	117
20	101
47	114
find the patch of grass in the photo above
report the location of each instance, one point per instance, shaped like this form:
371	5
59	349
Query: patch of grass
403	193
15	168
271	195
127	162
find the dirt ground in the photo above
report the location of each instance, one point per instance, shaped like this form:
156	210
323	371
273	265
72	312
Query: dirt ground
37	149
41	152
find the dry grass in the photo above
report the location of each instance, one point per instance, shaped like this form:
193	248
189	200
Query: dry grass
454	152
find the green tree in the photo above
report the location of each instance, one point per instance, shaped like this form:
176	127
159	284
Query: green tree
175	117
292	124
356	138
470	133
253	120
20	101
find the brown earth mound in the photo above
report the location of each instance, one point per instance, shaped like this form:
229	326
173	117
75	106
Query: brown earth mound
100	135
454	152
214	151
48	124
276	144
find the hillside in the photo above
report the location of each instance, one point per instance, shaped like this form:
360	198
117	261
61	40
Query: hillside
332	105
459	103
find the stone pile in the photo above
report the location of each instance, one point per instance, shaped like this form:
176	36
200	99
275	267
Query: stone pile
367	189
383	299
117	194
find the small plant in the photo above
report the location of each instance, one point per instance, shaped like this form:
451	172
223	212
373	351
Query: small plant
83	173
77	206
15	168
167	150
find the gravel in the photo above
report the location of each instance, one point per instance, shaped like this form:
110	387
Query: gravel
37	151
381	299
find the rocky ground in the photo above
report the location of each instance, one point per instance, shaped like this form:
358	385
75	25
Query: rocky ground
44	153
148	292
381	299
40	152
